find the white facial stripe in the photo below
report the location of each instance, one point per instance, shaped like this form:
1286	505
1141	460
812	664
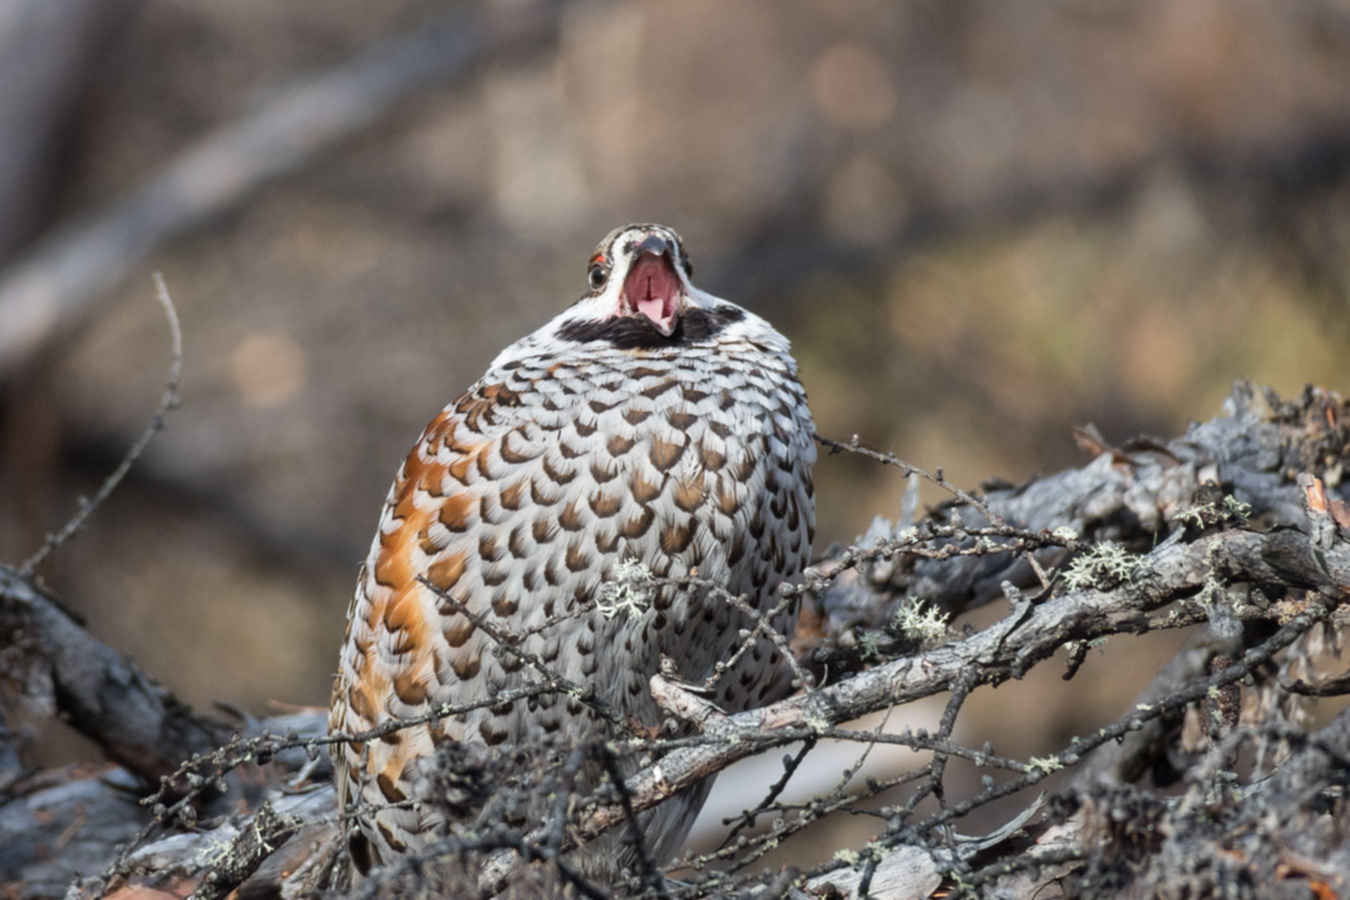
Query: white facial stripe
606	302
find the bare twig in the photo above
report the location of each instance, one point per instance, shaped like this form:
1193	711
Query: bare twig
646	868
1329	687
167	402
790	766
853	446
510	642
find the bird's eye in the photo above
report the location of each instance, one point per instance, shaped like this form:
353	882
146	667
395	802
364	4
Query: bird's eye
597	276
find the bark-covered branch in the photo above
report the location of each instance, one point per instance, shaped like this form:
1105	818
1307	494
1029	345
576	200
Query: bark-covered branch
52	664
1134	494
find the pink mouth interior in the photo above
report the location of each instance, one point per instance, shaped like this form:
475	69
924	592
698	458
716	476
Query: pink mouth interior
653	289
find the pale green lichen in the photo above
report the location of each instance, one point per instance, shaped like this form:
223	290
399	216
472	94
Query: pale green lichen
1103	567
869	645
1236	508
923	622
215	852
817	721
1045	764
1196	515
1205	514
847	856
627	592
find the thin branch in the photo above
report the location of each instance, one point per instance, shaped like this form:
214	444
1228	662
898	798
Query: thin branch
890	459
1328	687
646	867
168	402
791	763
509	643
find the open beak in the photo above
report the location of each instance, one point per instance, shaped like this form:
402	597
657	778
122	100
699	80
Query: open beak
652	288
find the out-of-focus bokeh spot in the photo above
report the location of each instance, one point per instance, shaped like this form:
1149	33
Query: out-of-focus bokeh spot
851	87
268	369
864	204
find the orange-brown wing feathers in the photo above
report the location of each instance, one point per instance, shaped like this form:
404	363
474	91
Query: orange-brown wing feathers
390	664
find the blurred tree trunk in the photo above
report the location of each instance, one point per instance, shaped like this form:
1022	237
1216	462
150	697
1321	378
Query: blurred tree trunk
50	53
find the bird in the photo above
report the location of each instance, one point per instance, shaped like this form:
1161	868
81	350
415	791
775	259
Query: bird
650	428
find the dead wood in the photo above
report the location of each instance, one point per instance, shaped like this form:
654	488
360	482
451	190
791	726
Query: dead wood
1239	526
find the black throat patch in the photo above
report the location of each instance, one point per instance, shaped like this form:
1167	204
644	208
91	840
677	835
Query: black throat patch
640	333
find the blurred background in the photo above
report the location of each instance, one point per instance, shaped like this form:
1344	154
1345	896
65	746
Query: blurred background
980	223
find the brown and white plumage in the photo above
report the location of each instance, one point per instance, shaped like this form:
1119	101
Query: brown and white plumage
649	421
